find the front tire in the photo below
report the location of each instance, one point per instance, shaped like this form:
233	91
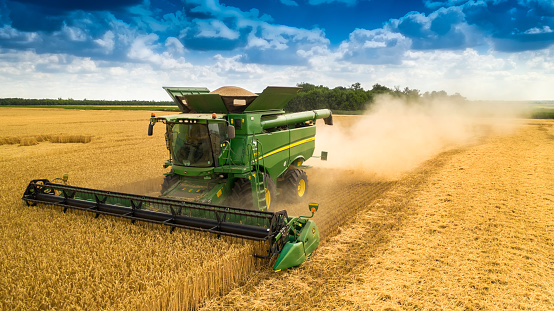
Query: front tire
241	194
295	185
270	192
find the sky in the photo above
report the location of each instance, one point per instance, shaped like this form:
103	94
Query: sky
129	49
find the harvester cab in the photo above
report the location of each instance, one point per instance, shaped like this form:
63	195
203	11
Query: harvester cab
230	152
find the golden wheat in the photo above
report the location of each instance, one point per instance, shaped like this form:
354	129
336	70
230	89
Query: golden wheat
52	260
34	140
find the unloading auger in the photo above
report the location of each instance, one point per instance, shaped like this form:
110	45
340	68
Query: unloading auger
230	152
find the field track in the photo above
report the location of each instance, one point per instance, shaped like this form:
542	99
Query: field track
471	229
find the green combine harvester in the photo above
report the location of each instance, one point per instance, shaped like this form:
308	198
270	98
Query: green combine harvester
231	152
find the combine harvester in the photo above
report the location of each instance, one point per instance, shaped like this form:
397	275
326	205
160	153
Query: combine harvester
227	148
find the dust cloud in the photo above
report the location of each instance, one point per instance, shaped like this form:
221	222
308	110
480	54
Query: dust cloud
396	136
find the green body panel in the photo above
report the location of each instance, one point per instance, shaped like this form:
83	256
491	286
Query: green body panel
292	255
239	151
206	103
273	152
303	240
198	189
303	144
176	92
310	237
180	91
273	98
198	117
192	171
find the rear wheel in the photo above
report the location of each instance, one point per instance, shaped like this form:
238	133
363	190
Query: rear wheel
295	185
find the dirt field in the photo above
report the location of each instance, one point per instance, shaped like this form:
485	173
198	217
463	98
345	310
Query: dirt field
470	227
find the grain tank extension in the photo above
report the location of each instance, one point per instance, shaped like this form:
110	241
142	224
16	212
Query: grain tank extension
231	152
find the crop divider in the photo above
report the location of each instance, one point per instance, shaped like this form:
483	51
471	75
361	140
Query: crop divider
67	195
99	202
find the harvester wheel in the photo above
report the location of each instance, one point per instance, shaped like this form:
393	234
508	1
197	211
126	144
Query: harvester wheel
296	185
241	195
169	181
270	191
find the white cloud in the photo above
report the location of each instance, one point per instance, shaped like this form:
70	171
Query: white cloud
174	47
81	66
536	30
476	76
215	29
9	33
378	46
107	41
232	65
278	44
143	48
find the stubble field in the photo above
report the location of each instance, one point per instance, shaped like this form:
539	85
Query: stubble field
468	227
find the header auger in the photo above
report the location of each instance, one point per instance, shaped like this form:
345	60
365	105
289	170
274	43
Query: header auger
230	152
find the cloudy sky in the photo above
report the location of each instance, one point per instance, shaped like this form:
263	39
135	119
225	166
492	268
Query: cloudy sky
129	49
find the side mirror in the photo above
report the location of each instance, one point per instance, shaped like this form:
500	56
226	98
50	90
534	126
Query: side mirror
231	131
150	129
323	155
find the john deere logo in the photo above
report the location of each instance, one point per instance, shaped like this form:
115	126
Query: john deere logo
313	230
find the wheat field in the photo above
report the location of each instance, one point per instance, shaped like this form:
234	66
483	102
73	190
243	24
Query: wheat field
471	228
71	261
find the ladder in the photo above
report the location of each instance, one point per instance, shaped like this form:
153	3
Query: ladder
257	177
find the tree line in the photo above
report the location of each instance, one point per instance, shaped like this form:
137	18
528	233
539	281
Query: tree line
76	102
355	98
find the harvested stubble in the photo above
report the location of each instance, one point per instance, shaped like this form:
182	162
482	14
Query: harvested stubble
470	230
52	260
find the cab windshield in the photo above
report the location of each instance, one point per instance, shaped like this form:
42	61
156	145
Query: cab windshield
197	145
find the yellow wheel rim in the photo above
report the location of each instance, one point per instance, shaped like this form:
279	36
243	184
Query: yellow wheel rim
301	188
267	197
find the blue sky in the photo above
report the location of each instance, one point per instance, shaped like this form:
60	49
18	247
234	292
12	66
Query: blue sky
129	49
